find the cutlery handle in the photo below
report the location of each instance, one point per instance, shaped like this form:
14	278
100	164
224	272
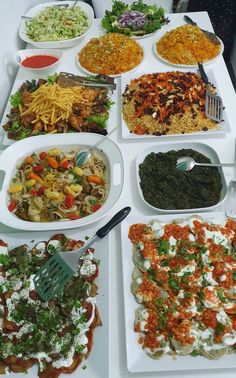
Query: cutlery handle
203	73
189	20
104	137
122	214
216	165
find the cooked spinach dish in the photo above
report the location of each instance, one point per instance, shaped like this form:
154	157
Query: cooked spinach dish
165	187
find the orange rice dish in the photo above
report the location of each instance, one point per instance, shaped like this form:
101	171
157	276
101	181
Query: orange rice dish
187	45
166	103
111	54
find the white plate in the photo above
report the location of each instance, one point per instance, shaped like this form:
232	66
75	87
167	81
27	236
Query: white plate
98	360
116	75
186	65
26	75
200	147
16	152
137	359
56	44
223	127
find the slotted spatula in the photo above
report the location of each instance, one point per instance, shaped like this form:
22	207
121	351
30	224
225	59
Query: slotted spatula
214	104
59	269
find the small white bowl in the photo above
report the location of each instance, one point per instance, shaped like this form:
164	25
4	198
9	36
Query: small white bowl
21	55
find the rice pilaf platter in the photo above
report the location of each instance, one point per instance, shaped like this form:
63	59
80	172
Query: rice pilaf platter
186	46
166	103
111	54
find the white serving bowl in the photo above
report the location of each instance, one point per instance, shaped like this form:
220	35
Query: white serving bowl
21	55
199	147
9	159
56	44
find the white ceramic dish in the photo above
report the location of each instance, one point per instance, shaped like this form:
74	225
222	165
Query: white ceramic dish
137	360
15	153
56	44
222	128
117	75
200	147
21	55
97	364
114	97
185	65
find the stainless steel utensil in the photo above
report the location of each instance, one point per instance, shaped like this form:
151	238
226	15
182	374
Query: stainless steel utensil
55	6
214	104
230	202
62	266
67	79
187	163
76	1
85	154
207	33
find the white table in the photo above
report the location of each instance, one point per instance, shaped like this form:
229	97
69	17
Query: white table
224	146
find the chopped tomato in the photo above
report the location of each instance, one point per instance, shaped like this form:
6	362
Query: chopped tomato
66	164
43	155
69	200
33	192
96	207
41	190
38	168
12	205
73	216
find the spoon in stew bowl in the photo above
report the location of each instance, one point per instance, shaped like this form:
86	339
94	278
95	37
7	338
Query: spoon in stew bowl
187	163
230	202
85	154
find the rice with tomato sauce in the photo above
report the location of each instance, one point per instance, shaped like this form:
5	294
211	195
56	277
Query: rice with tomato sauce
166	103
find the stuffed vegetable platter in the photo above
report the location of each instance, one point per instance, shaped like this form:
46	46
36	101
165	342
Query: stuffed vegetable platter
96	363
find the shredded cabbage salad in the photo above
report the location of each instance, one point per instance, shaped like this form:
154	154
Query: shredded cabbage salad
57	24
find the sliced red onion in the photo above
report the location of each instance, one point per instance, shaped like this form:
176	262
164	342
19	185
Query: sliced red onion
132	18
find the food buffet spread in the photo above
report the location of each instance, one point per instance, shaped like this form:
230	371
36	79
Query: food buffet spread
137	69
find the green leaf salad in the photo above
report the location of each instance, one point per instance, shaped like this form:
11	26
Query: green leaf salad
57	24
136	19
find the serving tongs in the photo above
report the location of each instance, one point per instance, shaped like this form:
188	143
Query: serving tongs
66	79
207	33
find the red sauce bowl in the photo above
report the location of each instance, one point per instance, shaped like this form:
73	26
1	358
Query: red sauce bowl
38	59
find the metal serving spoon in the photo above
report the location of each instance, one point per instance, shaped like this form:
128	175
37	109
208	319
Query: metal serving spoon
85	154
207	33
187	163
55	6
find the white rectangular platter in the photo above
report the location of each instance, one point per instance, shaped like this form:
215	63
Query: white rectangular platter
97	364
223	127
24	75
137	360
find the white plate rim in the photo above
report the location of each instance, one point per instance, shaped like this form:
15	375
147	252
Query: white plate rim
137	360
223	127
57	44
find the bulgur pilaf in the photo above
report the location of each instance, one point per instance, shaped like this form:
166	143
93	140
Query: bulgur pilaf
111	54
166	103
187	44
